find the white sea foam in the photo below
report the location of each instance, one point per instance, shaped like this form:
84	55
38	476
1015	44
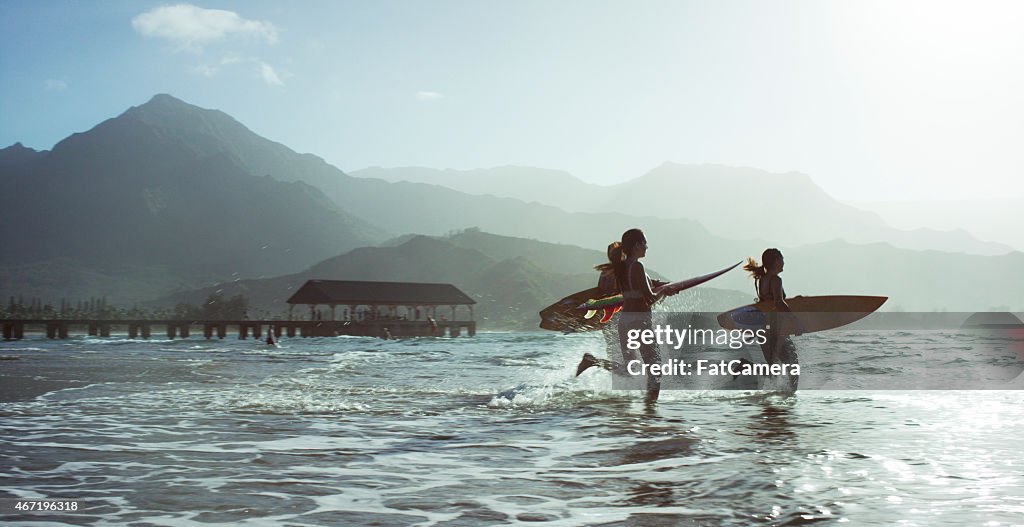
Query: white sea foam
497	428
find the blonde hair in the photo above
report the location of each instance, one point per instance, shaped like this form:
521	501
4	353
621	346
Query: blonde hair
769	257
614	256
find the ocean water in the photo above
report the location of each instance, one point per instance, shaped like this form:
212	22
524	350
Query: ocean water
492	430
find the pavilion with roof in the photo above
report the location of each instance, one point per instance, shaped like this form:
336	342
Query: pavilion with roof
394	308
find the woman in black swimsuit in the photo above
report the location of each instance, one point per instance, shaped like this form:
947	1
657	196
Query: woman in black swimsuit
779	348
630	278
638	296
607	286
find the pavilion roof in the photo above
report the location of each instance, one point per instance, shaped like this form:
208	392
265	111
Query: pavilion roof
326	292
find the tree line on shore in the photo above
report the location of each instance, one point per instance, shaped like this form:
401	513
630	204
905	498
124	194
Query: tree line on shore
215	307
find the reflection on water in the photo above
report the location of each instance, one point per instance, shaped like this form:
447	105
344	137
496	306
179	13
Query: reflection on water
773	424
490	430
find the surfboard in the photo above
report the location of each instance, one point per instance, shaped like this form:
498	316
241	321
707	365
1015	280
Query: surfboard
814	313
609	305
563	315
570	314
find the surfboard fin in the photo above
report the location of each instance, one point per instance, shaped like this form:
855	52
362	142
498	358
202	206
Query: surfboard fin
609	312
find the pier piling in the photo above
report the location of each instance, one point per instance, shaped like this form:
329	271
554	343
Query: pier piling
14	329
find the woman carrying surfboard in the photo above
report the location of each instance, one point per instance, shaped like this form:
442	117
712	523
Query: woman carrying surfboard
606	282
607	285
779	348
637	298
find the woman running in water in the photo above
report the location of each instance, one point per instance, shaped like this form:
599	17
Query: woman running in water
638	296
607	286
779	348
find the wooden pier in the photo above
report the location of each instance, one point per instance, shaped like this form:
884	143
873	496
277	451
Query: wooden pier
369	309
15	329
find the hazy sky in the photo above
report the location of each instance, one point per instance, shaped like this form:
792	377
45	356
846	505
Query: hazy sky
876	101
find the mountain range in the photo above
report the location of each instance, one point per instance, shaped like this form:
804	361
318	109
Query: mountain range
732	202
151	192
171	198
989	219
510	278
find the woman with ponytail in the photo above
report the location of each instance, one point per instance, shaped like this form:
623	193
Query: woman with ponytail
766	277
607	285
638	297
606	282
768	283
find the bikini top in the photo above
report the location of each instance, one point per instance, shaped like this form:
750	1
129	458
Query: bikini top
768	294
630	293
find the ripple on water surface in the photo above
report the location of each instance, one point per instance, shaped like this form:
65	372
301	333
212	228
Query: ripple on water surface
490	430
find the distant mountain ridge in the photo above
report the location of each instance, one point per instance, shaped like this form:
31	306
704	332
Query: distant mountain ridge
728	201
988	219
172	196
17	156
527	184
510	278
509	292
154	188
